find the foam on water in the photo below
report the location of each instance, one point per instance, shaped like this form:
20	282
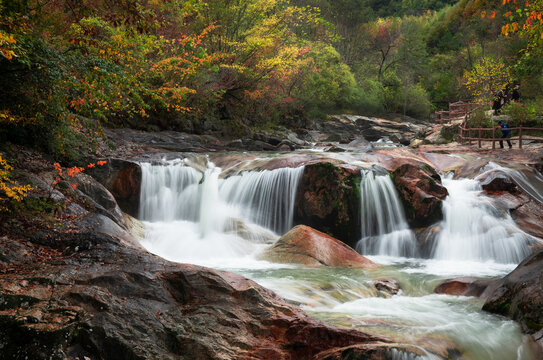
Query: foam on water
473	229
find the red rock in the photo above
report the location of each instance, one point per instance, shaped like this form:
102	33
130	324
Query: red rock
304	245
465	286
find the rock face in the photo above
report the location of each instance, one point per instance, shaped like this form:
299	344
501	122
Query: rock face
519	296
346	127
90	294
465	286
382	352
421	192
328	199
123	179
304	245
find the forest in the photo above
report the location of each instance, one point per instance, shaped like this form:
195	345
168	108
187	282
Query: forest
68	68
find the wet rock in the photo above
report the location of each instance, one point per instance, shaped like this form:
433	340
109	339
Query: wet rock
388	286
421	192
464	286
304	245
99	195
252	233
328	199
426	238
123	180
497	181
112	300
378	352
519	295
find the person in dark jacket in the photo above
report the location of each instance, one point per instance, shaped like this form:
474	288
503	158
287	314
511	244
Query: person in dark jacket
499	100
516	94
506	134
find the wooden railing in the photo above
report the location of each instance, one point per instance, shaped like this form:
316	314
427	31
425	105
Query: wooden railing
522	136
456	110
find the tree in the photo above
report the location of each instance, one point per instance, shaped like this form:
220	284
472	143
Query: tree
485	79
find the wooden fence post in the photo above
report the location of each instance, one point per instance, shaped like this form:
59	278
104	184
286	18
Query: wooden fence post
479	138
493	137
469	136
460	136
520	137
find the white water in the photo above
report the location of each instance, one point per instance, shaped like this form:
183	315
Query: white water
474	230
384	228
200	218
225	224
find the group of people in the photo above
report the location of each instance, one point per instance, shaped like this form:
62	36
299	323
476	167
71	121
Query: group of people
502	97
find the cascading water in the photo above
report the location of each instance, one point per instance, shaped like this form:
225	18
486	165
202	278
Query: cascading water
195	217
164	192
220	223
384	228
474	230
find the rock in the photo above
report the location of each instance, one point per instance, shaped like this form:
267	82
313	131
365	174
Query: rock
415	143
105	299
426	239
529	217
519	295
98	194
421	192
464	286
378	352
252	233
123	180
388	286
304	245
497	181
328	199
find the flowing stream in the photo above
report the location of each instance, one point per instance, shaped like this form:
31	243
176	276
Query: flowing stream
225	223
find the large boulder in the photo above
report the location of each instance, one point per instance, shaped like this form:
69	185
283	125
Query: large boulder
328	199
123	179
519	296
421	192
304	245
82	292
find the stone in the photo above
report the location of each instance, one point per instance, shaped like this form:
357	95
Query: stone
519	296
328	199
464	286
307	246
122	179
388	286
100	196
378	352
421	192
112	300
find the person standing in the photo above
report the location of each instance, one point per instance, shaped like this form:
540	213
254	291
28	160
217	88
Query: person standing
506	134
516	94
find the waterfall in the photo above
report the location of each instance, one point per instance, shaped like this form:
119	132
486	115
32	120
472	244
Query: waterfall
164	192
474	229
178	192
267	196
384	228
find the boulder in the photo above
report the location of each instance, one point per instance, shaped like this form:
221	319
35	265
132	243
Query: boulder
100	196
101	298
420	190
328	199
519	296
387	286
123	180
464	286
307	246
